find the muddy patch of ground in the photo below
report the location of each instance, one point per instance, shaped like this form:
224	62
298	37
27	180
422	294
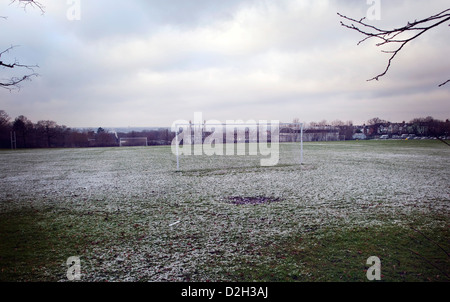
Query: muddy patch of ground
239	200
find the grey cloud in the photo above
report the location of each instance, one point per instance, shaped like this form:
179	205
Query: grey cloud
152	62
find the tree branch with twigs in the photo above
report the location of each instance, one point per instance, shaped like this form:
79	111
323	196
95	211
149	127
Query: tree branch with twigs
398	37
14	82
30	3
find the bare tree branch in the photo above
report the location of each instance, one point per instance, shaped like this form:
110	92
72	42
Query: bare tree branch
430	239
429	262
15	64
13	83
32	3
397	36
440	85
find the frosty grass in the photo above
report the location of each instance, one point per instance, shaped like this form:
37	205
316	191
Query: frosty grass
147	221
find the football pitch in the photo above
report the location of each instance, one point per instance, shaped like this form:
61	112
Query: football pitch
128	214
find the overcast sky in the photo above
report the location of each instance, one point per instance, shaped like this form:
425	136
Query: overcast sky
149	63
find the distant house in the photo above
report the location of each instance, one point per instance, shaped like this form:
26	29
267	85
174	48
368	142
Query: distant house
359	136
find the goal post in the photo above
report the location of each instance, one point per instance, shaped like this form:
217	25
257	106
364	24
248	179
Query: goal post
198	138
133	141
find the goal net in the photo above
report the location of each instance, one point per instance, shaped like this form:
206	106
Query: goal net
211	145
133	141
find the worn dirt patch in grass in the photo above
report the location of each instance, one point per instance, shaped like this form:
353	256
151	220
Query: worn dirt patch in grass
239	200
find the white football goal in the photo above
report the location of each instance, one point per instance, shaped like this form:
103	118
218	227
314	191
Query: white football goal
133	141
212	138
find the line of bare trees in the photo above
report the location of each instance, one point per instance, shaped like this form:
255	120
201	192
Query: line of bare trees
422	126
43	134
48	134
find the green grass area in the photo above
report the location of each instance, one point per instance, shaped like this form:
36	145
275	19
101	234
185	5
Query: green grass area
407	254
31	248
35	244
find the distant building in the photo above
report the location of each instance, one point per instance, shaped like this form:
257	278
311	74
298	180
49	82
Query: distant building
359	136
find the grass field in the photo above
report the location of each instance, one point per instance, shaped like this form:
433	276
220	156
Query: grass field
130	216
